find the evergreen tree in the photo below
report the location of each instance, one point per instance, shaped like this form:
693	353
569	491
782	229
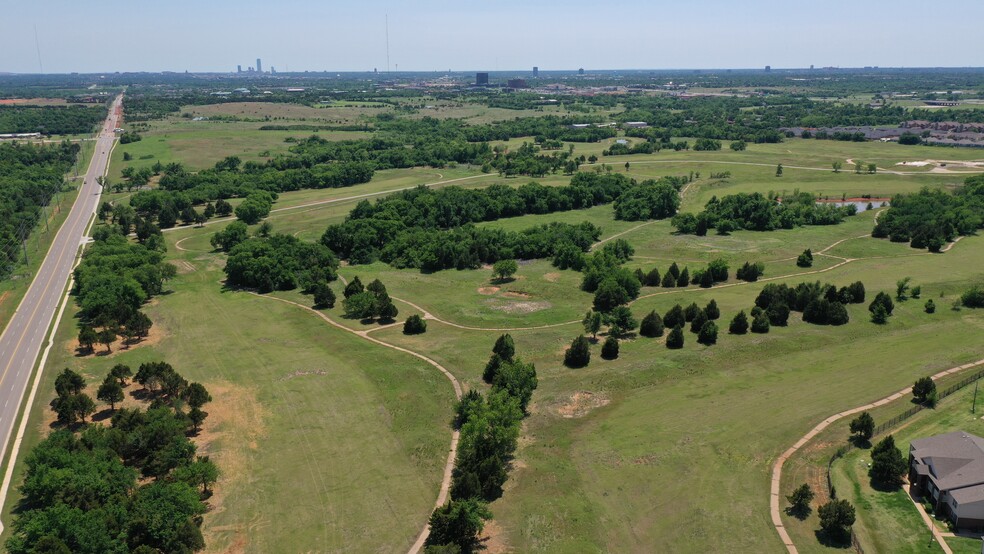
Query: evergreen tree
669	281
652	325
653	278
675	339
684	279
708	333
712	311
691	311
739	324
324	297
414	325
760	324
354	287
579	353
609	350
698	322
674	317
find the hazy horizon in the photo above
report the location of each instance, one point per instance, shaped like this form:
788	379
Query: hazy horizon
437	35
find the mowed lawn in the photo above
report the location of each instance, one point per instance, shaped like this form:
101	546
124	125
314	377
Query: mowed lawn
325	442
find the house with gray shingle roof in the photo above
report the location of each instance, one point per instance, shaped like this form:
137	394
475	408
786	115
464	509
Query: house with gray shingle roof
949	469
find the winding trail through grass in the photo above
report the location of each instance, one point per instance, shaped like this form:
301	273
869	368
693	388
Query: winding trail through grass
443	494
774	509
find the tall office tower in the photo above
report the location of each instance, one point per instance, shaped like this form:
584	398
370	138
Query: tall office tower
259	67
239	69
481	79
536	72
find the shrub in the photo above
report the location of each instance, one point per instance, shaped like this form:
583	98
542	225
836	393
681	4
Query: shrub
739	324
973	298
414	325
609	350
708	334
652	325
805	259
579	353
930	306
675	339
760	324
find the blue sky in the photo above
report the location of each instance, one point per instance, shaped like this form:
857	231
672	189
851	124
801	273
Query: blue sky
466	35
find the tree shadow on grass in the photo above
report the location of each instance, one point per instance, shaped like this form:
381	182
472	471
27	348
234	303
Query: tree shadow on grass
799	512
501	281
839	539
102	415
860	442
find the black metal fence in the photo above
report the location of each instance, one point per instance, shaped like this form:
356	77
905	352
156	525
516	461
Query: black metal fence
844	449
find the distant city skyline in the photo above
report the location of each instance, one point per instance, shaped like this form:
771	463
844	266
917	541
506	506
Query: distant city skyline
435	35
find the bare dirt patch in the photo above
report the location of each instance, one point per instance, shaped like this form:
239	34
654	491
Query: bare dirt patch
517	294
494	538
488	290
519	307
581	403
552	277
4	296
303	373
232	431
184	266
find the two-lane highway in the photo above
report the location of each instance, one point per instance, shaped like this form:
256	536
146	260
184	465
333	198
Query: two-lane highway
24	334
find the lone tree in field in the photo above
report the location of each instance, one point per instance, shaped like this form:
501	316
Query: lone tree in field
930	306
902	289
739	324
675	339
779	170
799	501
836	517
609	350
863	427
805	259
885	301
592	323
503	270
579	353
924	391
110	392
887	464
414	325
652	325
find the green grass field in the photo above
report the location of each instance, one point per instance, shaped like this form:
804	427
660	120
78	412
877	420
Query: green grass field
660	449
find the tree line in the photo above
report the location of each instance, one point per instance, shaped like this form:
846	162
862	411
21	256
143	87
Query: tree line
113	281
51	120
29	177
757	212
489	427
135	485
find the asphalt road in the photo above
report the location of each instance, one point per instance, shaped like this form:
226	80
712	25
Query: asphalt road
21	341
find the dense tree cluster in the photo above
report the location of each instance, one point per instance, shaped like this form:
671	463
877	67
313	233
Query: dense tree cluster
133	486
178	189
114	279
887	464
51	120
29	176
651	199
931	218
279	262
756	212
821	304
489	430
371	303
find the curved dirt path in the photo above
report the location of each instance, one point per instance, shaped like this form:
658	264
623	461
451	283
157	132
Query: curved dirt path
774	497
443	494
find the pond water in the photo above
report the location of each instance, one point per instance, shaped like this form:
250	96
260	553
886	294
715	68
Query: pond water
861	205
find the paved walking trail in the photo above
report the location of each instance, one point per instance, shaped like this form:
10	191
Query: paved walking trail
775	497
